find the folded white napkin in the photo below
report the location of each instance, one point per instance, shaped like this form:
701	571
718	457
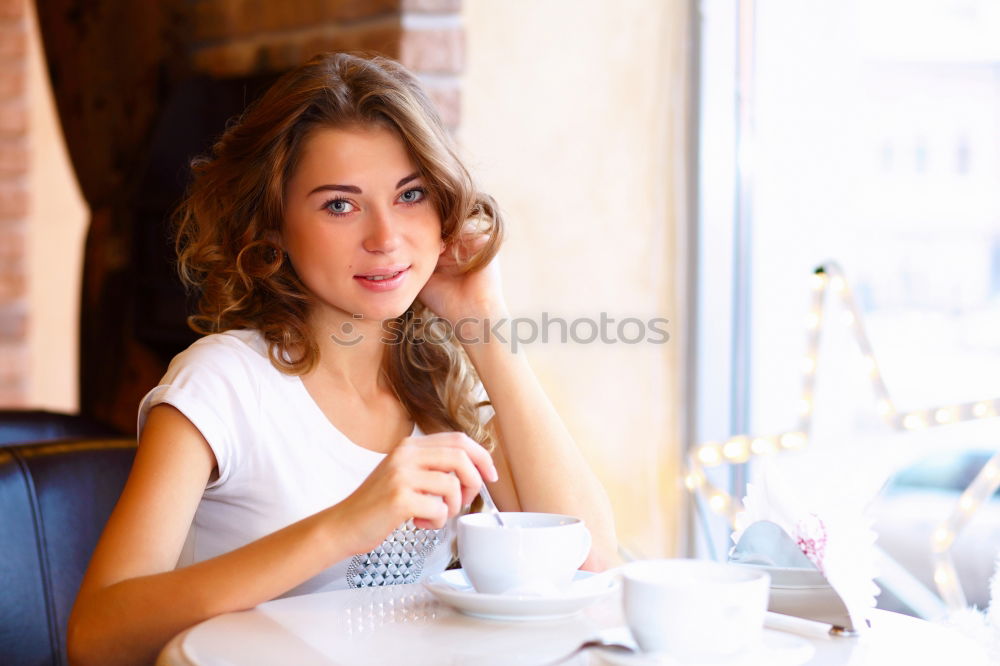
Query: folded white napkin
832	530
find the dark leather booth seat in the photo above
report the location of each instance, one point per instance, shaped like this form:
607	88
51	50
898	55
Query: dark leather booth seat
28	426
55	498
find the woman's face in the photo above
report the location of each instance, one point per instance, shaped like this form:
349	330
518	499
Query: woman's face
359	228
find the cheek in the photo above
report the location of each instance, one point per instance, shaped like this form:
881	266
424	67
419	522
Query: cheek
423	233
432	243
432	232
317	240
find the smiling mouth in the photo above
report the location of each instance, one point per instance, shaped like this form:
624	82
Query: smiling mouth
378	278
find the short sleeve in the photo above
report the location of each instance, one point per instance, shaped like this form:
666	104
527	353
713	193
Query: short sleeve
486	411
212	384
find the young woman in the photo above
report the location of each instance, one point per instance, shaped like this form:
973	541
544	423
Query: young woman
331	425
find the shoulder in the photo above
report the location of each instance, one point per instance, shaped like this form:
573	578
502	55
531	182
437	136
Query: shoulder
222	370
239	355
238	345
216	384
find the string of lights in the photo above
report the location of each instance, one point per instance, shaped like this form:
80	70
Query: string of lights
945	577
742	447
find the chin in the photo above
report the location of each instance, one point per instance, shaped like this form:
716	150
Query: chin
386	312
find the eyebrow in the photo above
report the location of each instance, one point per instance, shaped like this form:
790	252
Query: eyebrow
354	189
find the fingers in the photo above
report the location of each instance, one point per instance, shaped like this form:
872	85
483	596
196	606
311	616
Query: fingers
472	240
468	242
435	475
452	462
455	463
479	456
422	524
441	485
429	512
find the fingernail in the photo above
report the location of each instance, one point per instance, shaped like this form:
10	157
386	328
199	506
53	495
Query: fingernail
494	477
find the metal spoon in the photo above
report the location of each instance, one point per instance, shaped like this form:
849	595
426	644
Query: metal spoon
490	506
594	643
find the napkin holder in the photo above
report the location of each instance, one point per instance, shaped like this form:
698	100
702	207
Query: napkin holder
798	588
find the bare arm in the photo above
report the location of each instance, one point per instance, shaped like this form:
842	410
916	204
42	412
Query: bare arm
132	600
547	471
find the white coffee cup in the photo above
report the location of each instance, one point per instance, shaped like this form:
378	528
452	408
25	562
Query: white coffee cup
693	609
532	554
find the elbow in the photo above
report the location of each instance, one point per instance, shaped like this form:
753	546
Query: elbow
598	561
83	640
604	551
78	652
97	636
603	555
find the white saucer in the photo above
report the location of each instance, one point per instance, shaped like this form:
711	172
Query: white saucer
777	648
454	589
789	577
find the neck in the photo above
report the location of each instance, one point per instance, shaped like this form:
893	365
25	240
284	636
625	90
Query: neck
350	350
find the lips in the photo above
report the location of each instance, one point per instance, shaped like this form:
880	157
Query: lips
383	271
379	278
383	278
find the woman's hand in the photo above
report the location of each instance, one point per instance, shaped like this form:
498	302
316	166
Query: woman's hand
454	295
428	478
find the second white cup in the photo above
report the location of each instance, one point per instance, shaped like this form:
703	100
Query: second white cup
532	554
693	609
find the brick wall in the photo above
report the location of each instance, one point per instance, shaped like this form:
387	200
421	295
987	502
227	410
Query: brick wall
13	203
244	37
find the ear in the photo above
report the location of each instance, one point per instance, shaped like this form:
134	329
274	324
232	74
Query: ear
444	246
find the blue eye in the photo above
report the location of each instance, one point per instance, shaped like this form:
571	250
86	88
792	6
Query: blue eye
413	196
339	206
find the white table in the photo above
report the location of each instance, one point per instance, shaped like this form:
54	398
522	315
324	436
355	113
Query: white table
405	625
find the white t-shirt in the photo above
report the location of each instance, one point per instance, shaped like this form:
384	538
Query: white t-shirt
280	460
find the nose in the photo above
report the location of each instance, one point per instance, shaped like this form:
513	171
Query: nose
382	233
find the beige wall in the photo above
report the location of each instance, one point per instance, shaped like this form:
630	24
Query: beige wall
571	118
57	224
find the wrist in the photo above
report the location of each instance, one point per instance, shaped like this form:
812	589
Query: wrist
474	332
333	535
497	346
484	310
480	323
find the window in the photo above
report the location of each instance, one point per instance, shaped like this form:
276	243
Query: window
865	134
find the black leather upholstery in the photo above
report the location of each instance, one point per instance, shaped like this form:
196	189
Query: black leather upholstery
22	426
54	501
